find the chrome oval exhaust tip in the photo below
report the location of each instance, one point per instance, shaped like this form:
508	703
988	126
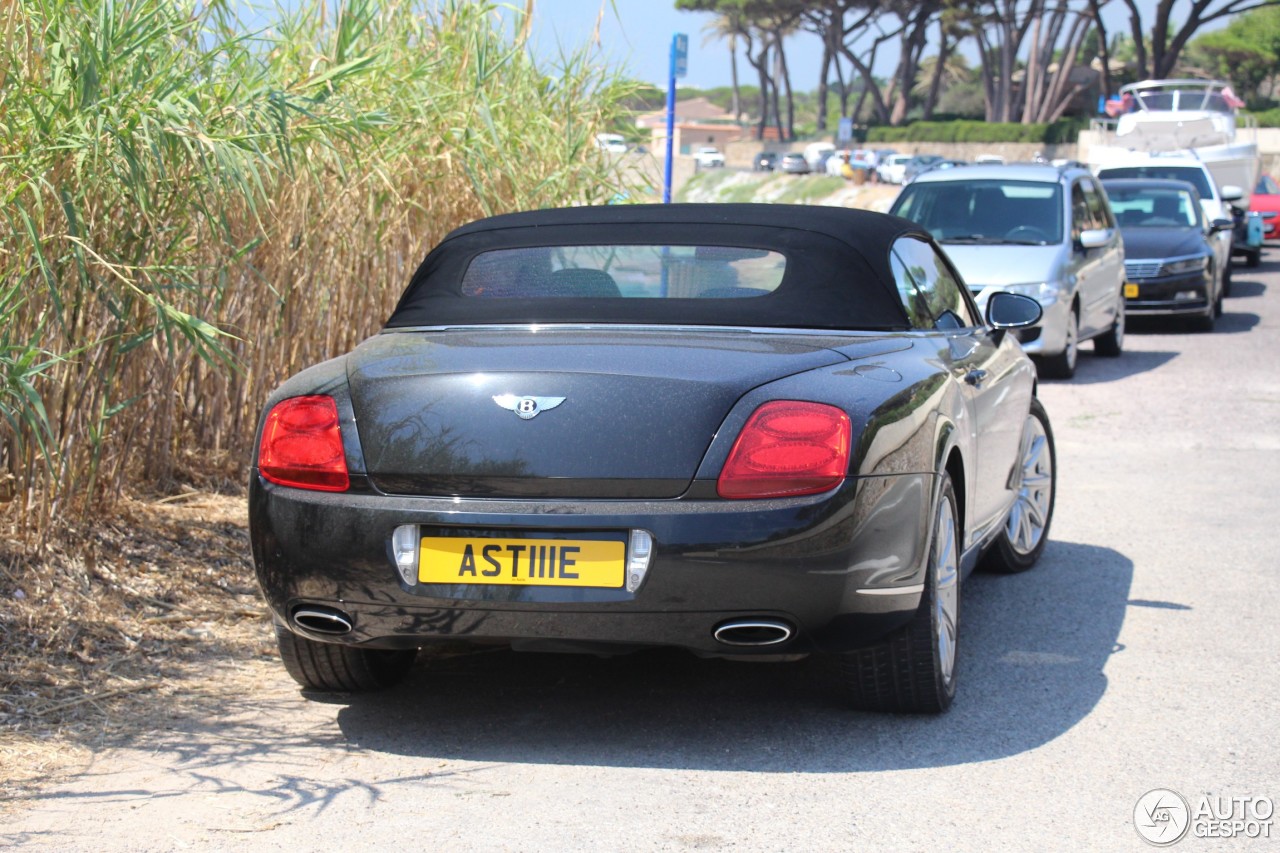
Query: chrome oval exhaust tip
752	632
322	620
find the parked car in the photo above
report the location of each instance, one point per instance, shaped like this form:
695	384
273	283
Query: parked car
1039	230
1214	200
765	161
815	152
918	164
700	426
1266	203
795	164
1170	264
613	143
892	169
708	157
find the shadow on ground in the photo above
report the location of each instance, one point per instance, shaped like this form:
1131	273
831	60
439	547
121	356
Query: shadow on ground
1092	369
1033	651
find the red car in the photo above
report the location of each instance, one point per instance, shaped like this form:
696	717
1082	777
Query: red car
1266	200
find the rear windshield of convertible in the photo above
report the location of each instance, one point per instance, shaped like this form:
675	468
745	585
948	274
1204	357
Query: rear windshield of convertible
663	273
624	271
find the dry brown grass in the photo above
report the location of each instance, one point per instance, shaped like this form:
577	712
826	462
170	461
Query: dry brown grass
116	630
193	215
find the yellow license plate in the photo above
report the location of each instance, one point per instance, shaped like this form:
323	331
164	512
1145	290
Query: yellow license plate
522	562
1130	290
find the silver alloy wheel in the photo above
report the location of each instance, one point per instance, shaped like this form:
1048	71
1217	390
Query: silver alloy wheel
947	592
1072	350
1030	512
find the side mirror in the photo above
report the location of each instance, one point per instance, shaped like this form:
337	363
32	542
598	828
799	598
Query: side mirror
1012	310
1220	225
1231	192
1095	238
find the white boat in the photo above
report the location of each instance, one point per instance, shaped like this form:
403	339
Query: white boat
1196	116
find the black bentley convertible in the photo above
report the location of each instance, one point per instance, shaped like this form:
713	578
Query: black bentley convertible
741	430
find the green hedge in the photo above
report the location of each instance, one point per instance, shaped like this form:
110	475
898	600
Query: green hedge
1064	130
1268	118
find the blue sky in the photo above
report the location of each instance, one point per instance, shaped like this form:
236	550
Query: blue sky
637	34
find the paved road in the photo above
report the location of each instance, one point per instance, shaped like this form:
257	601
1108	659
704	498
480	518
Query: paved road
1141	653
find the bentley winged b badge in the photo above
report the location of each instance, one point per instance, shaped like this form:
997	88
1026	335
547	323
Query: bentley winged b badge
527	407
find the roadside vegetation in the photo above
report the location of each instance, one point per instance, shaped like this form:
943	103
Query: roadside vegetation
196	206
194	211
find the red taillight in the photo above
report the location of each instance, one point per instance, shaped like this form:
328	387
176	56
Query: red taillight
302	445
788	448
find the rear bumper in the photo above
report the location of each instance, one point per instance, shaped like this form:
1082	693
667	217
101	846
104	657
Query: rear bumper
841	570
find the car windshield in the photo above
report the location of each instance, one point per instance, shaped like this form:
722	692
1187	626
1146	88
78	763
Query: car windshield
626	271
1148	207
1193	175
985	211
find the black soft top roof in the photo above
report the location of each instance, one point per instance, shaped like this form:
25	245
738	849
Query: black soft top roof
837	273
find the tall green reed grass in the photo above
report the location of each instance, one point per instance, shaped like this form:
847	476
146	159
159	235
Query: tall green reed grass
194	210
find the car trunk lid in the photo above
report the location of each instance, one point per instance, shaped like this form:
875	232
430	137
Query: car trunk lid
583	413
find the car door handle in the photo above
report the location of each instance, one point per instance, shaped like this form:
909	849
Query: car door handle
976	376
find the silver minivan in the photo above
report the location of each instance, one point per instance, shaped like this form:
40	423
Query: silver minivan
1040	230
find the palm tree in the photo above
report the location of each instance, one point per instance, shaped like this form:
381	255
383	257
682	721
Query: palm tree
727	27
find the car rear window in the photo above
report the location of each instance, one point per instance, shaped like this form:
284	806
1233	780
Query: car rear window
1153	208
624	271
567	266
1191	174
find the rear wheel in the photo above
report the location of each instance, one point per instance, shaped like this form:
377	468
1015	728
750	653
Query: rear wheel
1026	531
1111	342
913	670
1063	365
332	667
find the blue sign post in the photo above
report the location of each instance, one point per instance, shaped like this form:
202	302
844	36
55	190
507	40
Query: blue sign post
679	67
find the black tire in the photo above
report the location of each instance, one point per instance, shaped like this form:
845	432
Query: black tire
1226	279
1013	552
1205	322
908	672
1063	365
1111	342
331	667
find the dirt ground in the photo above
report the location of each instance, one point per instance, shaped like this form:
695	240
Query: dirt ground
115	629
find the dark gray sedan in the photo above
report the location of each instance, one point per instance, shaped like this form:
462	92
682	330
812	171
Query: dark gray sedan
1169	260
742	430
